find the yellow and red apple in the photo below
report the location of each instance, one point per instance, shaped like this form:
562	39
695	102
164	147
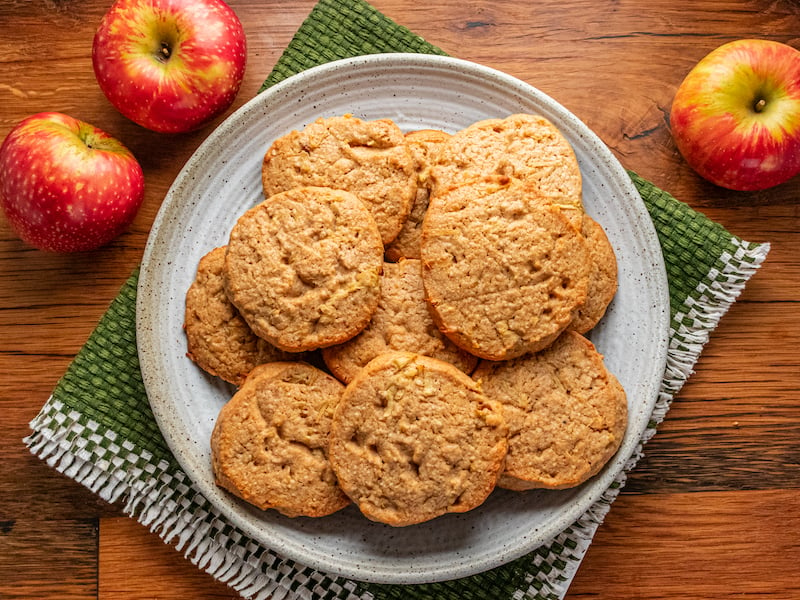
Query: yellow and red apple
170	65
736	116
67	186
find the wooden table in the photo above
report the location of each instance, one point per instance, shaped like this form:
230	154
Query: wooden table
713	509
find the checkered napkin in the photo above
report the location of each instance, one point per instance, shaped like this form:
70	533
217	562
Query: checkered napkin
97	427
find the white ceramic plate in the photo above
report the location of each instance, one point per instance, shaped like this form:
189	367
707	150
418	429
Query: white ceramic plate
222	180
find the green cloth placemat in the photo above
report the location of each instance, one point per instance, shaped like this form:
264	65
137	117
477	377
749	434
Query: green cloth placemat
98	428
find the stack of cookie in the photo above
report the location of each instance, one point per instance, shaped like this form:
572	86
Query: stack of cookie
403	317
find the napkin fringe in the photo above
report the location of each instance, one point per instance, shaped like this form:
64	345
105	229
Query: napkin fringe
581	532
201	537
701	314
58	438
64	451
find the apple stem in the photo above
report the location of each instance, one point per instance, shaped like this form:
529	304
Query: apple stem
760	105
165	52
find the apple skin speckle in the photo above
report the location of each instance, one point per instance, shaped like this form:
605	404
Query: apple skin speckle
66	186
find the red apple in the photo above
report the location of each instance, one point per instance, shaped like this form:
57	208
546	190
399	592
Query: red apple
170	65
67	186
736	116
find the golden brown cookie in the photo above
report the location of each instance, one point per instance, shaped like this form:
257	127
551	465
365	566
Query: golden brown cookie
520	146
424	145
270	442
401	322
602	277
566	413
413	438
367	158
303	268
218	339
503	268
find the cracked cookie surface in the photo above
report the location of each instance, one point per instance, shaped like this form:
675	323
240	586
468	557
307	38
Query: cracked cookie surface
218	339
270	442
367	158
402	321
414	438
503	268
520	146
566	413
303	268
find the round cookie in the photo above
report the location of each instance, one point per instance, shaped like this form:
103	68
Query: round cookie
602	277
566	413
303	268
503	268
367	158
424	145
520	146
218	339
401	322
414	438
270	442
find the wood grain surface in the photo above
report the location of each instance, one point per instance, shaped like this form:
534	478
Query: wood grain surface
711	512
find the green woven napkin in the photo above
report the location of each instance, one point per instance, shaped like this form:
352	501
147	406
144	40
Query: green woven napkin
97	426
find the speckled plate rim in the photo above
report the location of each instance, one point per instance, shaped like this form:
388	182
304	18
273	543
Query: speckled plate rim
222	179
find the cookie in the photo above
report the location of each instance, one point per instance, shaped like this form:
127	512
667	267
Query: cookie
270	442
414	438
602	277
367	158
424	145
303	268
218	339
401	322
520	146
566	413
503	268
